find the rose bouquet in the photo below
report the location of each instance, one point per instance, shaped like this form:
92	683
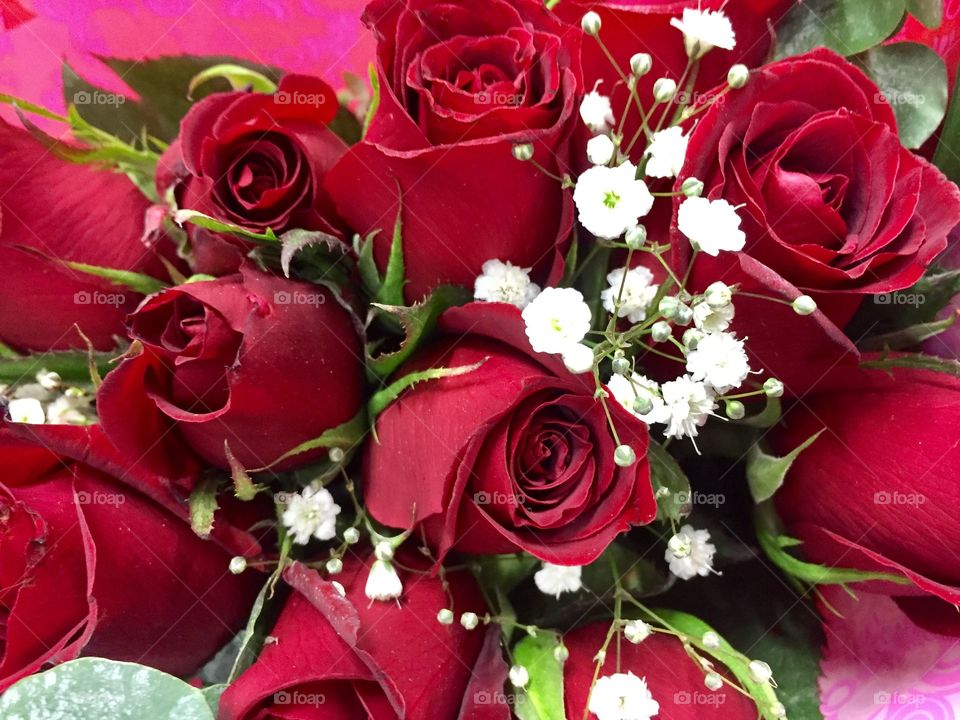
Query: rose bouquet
552	374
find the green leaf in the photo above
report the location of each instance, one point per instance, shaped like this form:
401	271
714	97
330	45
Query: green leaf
71	366
390	291
97	689
768	417
293	241
255	632
374	98
243	487
417	321
27	106
915	361
670	484
928	12
542	698
205	221
239	77
908	337
212	695
505	572
765	473
774	546
947	156
138	282
163	86
346	437
570	263
913	79
846	26
203	506
381	399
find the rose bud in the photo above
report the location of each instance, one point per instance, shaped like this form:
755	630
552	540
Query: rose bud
343	656
670	678
74	212
257	161
98	559
833	207
252	360
514	455
878	490
457	93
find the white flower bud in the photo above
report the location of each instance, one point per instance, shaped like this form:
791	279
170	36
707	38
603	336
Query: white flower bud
49	380
578	358
351	536
339	588
713	681
778	710
519	676
643	402
591	23
523	151
804	305
735	409
469	620
238	564
383	551
336	454
664	90
636	237
383	583
624	456
718	295
641	64
445	617
692	187
668	306
636	631
600	149
661	331
711	640
738	76
773	388
334	566
680	545
620	365
759	671
561	653
684	314
692	337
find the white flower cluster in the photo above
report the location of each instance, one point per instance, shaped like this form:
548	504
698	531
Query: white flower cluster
48	400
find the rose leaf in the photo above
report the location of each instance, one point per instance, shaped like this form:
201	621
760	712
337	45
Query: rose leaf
947	156
928	12
670	484
542	698
766	473
846	26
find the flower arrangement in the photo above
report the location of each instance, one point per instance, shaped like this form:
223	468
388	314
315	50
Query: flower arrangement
553	375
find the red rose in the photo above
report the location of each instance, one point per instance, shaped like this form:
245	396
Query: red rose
673	679
348	657
458	88
878	490
96	559
257	161
633	26
65	211
516	455
833	206
253	360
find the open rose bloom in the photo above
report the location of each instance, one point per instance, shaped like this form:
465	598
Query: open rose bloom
578	359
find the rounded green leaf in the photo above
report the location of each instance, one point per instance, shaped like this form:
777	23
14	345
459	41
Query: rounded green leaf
847	26
913	79
96	689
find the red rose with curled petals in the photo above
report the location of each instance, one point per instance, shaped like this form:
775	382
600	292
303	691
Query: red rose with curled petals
514	455
258	161
460	84
832	206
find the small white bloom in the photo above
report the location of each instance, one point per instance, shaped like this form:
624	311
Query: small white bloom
627	391
704	30
688	404
557	319
720	361
611	200
578	359
667	150
519	676
636	631
596	112
759	671
690	553
383	583
558	579
638	292
506	283
711	225
311	513
600	150
622	696
710	319
70	408
26	410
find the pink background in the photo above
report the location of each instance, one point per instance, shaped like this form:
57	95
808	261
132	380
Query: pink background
877	665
